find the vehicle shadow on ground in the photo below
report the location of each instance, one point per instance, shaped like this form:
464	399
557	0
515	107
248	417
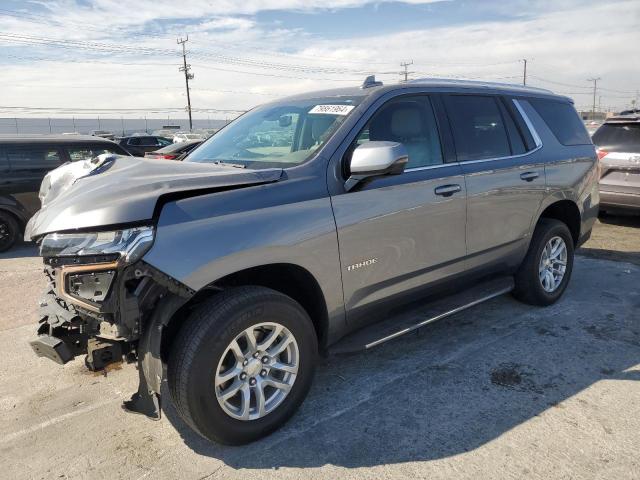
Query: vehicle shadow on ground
458	384
614	255
21	250
621	220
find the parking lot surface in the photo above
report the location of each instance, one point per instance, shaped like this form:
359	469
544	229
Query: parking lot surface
503	390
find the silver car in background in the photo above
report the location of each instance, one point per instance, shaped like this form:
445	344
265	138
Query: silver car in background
618	143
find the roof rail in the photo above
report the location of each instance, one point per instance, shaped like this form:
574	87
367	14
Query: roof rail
479	83
370	81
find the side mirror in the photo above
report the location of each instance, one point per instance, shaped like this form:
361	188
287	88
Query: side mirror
285	121
376	159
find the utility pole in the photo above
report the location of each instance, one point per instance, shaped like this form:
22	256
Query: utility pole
524	74
406	72
595	90
187	76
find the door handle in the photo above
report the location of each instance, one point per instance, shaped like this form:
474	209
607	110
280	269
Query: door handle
447	190
529	176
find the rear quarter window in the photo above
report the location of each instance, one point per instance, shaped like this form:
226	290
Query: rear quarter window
563	121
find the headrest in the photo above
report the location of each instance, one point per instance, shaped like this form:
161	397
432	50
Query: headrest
320	125
406	122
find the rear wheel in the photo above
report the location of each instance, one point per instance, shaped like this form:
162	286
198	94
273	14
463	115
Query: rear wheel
545	271
242	364
9	231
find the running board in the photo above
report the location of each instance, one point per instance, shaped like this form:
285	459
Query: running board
386	330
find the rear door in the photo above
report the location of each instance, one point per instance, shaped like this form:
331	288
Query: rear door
505	181
399	234
619	152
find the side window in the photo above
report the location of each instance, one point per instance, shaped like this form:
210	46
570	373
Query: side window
33	158
4	164
411	121
147	141
563	120
134	141
163	142
478	128
515	138
84	153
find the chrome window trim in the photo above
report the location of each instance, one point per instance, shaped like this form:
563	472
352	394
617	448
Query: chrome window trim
429	167
493	159
527	121
502	158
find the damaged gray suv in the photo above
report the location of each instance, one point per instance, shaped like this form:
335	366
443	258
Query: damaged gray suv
321	223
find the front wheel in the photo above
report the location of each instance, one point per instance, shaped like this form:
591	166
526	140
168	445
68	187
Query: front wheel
242	364
9	231
545	271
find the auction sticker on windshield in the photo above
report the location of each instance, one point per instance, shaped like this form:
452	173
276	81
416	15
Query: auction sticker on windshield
332	109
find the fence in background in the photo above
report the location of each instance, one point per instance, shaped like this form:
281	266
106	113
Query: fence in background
119	126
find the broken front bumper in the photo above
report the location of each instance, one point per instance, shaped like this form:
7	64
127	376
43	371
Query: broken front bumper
110	313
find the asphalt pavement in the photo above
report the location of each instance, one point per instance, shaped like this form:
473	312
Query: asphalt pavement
502	390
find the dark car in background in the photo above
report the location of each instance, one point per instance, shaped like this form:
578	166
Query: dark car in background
175	151
24	161
618	143
138	145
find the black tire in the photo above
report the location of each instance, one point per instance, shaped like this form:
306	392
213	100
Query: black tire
528	288
9	231
203	340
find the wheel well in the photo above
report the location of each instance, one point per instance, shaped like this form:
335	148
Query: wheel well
567	212
291	280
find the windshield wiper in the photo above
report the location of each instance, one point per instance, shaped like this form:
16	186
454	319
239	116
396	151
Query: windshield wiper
228	164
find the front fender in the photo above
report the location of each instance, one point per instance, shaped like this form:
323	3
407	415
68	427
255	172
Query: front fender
201	240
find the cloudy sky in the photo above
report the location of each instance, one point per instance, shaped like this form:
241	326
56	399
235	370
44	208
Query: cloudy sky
120	57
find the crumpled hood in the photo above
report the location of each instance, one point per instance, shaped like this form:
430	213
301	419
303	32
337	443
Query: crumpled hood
126	190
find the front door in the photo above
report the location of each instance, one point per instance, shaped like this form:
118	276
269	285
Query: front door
399	234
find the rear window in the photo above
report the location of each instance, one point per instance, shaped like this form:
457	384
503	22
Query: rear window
478	128
563	120
623	137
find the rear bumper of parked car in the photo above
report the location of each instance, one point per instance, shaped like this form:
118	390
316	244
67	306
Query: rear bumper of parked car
627	201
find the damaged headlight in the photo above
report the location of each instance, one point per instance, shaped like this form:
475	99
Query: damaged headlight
130	243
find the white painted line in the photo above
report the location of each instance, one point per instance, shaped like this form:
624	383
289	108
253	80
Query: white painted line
27	431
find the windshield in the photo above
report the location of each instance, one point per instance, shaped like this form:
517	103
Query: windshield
278	135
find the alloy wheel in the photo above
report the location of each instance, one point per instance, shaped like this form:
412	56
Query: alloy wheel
257	371
553	264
